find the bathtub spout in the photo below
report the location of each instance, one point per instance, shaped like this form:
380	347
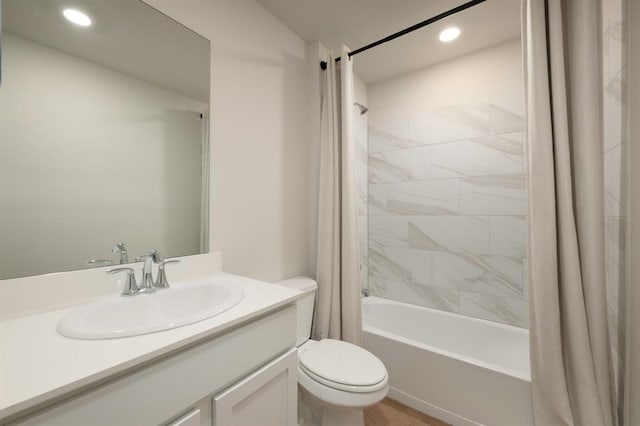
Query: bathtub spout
365	292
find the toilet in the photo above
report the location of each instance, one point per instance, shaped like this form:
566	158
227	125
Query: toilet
336	379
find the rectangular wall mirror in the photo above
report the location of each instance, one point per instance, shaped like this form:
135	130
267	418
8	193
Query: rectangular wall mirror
104	135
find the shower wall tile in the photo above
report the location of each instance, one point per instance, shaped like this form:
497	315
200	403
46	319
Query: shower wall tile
457	234
405	165
363	240
360	138
364	272
361	181
488	275
500	309
377	200
525	279
615	180
398	264
417	198
614	43
488	155
615	250
377	286
616	174
507	113
616	308
362	198
451	123
443	299
389	231
363	226
361	178
389	135
446	207
494	195
509	236
614	103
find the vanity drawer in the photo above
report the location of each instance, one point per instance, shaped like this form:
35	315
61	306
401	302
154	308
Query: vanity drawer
159	391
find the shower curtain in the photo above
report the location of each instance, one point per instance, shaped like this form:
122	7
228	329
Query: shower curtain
570	358
338	307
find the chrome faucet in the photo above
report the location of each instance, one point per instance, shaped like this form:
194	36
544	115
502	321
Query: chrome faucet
131	287
150	258
121	249
365	292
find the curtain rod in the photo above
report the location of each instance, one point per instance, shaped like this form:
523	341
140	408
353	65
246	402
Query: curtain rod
323	64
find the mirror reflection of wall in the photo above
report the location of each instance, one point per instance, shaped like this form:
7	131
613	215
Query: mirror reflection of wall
102	130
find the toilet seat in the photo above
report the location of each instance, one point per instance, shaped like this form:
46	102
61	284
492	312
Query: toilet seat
339	398
343	366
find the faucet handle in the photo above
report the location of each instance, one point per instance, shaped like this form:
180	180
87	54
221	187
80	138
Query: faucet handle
121	249
130	285
156	256
161	282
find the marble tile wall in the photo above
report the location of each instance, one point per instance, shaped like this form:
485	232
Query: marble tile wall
615	181
361	177
447	208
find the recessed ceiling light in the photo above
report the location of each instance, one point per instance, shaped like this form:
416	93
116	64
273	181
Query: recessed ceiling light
449	34
77	17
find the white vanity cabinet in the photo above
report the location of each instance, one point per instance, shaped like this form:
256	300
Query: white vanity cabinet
246	376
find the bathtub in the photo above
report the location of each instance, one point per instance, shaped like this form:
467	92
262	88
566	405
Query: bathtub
462	370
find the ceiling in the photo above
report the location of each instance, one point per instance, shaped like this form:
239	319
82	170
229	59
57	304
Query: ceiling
357	23
127	36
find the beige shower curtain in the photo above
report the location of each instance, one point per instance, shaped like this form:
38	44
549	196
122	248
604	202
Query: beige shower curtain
570	357
338	307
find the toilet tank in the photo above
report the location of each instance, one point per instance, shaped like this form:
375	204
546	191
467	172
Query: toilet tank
304	304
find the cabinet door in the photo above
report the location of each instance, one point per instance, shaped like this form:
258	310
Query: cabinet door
268	397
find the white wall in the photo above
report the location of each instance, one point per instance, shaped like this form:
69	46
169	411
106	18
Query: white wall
447	214
91	157
261	145
475	76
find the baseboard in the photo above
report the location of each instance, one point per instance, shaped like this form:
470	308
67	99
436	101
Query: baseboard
430	409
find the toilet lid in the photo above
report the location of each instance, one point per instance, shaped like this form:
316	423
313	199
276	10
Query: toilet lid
343	363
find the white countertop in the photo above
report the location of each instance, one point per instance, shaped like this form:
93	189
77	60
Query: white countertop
38	364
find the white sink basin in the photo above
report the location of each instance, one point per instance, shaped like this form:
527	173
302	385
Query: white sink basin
147	313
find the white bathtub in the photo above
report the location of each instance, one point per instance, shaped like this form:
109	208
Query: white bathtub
462	370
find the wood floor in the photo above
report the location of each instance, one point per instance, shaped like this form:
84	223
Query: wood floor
391	413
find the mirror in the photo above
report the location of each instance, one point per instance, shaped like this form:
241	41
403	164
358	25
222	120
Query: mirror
104	135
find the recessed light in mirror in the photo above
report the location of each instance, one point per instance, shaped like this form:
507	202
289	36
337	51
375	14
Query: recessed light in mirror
77	17
449	34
